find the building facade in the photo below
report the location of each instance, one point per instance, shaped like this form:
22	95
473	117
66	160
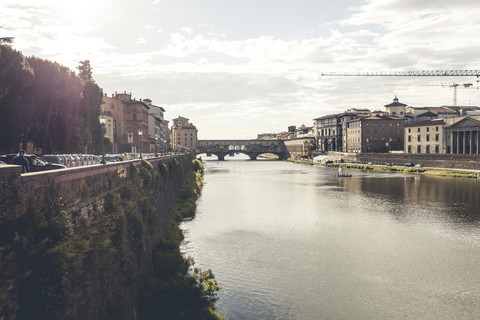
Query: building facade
159	132
425	137
328	131
462	135
375	134
130	121
396	108
183	135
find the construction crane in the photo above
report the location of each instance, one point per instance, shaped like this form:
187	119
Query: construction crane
450	85
421	73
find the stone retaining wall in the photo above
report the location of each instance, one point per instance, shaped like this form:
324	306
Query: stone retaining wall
452	161
74	185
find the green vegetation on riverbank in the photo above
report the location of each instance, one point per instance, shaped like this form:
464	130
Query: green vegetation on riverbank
439	172
117	259
176	290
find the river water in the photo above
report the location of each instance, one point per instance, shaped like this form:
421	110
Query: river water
291	241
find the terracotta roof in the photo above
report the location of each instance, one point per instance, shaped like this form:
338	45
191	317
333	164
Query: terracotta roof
428	113
441	110
328	116
395	103
426	123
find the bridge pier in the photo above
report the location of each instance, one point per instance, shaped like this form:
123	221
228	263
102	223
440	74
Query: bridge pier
220	156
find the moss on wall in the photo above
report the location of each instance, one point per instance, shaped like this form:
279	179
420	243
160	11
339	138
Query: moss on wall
56	265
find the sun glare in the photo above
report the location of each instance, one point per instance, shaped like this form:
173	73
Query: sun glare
80	13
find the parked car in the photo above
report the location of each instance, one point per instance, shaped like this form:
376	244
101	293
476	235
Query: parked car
36	163
53	158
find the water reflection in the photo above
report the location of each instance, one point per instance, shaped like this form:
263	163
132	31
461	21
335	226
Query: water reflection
456	199
292	241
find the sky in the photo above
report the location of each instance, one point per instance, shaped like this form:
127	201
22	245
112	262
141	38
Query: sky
240	68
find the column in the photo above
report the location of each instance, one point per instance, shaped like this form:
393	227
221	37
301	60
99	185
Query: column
471	142
476	149
457	142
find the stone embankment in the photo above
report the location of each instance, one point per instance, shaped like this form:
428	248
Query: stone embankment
433	160
77	243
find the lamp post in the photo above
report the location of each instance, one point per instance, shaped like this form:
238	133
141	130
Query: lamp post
156	144
103	121
140	133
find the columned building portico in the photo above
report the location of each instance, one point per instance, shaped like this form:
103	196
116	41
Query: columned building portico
463	137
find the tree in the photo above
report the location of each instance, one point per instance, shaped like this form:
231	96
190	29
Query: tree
16	75
92	133
85	70
6	40
55	99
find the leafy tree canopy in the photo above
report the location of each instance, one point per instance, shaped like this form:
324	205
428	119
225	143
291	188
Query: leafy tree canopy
85	70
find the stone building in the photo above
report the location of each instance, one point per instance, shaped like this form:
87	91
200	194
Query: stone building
130	121
330	130
133	128
375	134
462	135
425	137
396	109
183	135
158	130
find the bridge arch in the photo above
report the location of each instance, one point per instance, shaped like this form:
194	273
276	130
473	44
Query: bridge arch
252	148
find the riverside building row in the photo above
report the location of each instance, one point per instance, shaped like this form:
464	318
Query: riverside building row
400	128
139	126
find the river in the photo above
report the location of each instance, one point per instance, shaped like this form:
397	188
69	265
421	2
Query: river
292	241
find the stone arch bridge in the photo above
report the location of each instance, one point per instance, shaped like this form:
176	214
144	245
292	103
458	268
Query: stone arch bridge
252	148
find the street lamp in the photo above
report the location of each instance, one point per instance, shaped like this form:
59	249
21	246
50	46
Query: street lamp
140	132
103	121
156	144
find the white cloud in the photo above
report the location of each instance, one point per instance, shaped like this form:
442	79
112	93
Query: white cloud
202	72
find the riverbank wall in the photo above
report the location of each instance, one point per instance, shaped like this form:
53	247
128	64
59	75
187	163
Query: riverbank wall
447	161
77	243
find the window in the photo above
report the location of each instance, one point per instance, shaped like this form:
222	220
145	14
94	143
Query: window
409	130
418	130
436	128
437	149
409	149
409	138
437	137
428	137
419	138
134	116
419	149
427	149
